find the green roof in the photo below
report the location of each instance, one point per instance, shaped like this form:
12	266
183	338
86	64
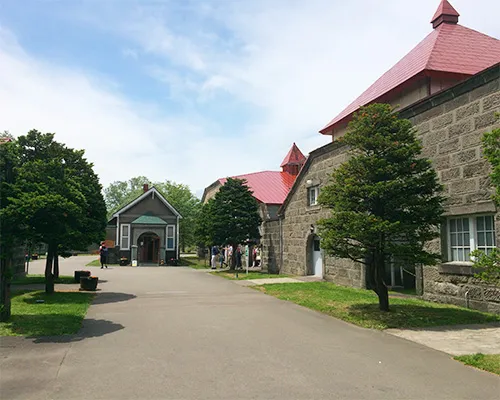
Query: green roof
149	220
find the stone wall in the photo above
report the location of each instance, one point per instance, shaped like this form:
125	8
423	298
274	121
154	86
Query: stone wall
455	284
451	125
271	248
299	220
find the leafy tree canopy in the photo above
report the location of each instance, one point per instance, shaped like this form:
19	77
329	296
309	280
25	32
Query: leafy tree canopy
56	196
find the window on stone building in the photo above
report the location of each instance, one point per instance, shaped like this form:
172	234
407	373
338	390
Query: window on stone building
312	195
466	234
125	237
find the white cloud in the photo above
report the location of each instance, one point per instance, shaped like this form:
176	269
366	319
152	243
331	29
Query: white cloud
123	139
298	62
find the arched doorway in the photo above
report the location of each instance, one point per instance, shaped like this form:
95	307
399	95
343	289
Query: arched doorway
148	246
314	257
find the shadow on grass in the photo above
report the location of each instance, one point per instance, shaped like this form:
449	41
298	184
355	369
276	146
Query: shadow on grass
91	328
419	316
58	297
112	297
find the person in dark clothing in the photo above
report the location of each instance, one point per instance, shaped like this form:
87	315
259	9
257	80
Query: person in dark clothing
103	255
238	257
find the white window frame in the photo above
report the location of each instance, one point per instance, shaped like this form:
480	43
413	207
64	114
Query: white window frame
473	241
315	190
122	236
170	237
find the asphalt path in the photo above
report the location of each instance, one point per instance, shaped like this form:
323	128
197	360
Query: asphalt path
179	333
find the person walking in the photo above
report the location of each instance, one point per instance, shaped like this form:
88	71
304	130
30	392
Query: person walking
221	257
213	261
238	257
103	255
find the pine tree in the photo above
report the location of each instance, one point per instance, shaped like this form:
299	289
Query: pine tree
385	200
231	217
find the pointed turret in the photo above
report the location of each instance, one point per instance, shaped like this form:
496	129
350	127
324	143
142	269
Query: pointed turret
293	161
445	14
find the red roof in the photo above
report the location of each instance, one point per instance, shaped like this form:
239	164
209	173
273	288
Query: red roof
449	48
445	9
294	156
269	187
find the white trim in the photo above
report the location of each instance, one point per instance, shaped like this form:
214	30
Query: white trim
142	197
170	237
128	237
117	237
316	194
178	248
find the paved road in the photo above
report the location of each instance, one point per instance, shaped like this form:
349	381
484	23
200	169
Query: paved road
178	333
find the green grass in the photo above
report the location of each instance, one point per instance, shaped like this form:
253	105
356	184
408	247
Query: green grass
194	262
360	307
242	275
488	362
411	292
60	314
96	263
35	279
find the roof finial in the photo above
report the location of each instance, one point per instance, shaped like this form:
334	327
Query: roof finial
445	14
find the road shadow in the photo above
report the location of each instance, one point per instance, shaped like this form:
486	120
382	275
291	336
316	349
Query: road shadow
112	297
91	328
413	316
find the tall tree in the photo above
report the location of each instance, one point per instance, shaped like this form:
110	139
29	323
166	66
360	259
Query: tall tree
9	234
119	193
187	204
56	198
385	200
204	230
489	263
233	215
491	150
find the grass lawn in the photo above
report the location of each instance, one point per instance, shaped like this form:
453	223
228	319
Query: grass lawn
360	307
194	262
60	314
488	362
242	275
32	279
97	263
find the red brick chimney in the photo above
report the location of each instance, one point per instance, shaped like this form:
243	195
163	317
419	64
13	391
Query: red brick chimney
145	187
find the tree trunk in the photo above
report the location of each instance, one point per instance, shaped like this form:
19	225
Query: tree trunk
4	290
56	265
380	287
49	277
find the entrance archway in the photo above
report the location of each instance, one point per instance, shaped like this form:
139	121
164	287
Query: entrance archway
148	246
314	257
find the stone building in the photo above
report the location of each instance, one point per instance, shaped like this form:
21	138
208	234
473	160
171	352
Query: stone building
146	230
448	86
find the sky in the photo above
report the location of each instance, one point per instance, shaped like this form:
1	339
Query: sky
195	90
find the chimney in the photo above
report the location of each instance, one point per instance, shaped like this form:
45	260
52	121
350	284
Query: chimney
145	187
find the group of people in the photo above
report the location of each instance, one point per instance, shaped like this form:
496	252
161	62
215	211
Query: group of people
224	254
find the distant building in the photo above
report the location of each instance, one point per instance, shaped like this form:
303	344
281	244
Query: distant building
269	188
145	230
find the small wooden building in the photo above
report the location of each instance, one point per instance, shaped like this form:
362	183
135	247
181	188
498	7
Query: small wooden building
146	230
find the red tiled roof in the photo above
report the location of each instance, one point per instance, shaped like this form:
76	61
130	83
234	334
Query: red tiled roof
294	156
449	48
269	187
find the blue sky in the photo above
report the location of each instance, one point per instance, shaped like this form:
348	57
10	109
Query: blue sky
191	91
